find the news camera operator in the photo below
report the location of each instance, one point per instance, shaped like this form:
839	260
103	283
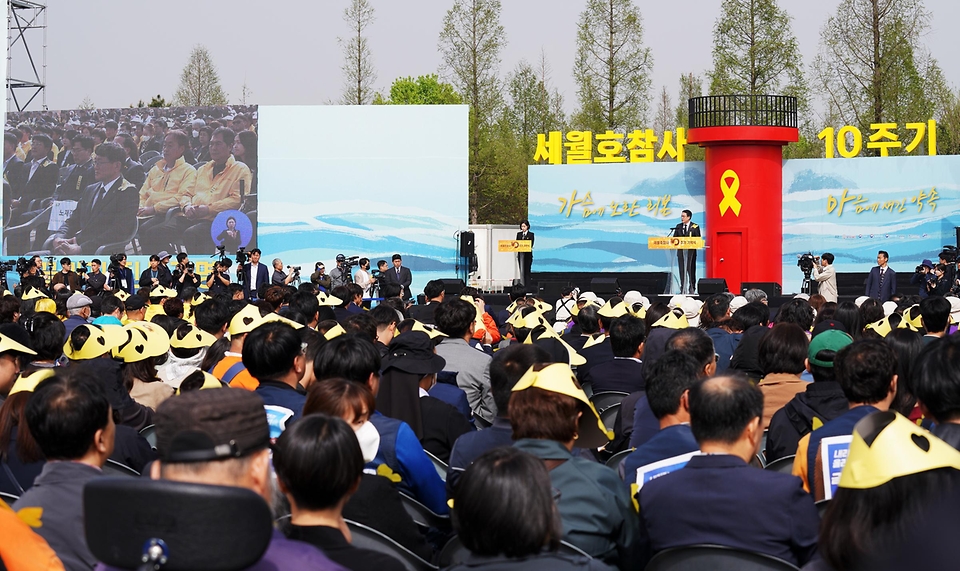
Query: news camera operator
826	276
119	276
340	276
922	277
219	279
948	257
320	277
183	274
96	280
942	283
29	277
279	277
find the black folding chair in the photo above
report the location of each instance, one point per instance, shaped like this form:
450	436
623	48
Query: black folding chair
159	524
454	552
604	400
439	465
422	515
150	434
609	416
365	537
715	558
8	498
783	465
114	468
618	458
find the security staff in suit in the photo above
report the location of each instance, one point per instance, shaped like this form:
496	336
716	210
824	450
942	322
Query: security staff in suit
525	259
107	212
687	259
254	275
882	281
399	275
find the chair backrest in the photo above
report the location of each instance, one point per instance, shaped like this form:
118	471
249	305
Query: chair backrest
202	526
587	387
617	459
455	552
609	416
571	549
114	468
606	399
148	164
8	498
422	515
715	558
365	537
439	465
150	434
148	155
783	465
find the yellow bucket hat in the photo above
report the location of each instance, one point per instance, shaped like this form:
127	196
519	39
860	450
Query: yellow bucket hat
558	378
886	445
143	340
45	304
101	339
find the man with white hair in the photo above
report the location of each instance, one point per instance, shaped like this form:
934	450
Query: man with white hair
279	277
752	295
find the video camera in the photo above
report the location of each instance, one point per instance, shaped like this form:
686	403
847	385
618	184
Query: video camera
806	262
190	267
82	267
242	257
23	265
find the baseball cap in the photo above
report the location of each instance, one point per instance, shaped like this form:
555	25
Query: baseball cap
832	340
78	300
201	426
135	303
827	325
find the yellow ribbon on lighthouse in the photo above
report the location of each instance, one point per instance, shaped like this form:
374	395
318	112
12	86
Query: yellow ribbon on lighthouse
729	191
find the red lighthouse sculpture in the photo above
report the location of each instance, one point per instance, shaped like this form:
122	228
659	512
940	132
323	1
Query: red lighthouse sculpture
743	137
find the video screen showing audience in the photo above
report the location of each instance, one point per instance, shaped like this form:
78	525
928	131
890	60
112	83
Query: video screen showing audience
135	180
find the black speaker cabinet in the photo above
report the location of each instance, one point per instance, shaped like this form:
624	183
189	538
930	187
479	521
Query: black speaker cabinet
453	286
710	286
467	244
772	289
605	287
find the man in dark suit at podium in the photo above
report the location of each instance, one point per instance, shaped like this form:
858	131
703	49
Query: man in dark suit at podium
882	281
687	259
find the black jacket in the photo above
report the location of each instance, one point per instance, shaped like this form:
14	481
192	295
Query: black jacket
746	358
78	178
824	400
110	220
331	541
42	184
442	425
377	504
622	375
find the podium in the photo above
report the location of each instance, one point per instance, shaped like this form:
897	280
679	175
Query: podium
514	246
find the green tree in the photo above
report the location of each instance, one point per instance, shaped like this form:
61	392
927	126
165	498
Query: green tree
422	90
158	101
665	118
470	43
358	71
199	81
755	52
872	68
691	85
534	107
612	67
87	103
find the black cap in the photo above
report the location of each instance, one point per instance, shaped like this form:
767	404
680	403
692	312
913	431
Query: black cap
828	325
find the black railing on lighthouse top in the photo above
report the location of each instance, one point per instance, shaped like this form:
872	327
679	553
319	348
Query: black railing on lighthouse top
743	110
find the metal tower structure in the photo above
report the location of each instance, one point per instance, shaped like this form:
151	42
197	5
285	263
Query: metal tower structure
26	60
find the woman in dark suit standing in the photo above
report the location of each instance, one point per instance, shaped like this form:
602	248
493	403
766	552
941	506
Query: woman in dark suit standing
525	259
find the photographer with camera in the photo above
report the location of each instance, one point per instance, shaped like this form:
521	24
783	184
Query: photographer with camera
922	276
120	276
29	277
183	274
95	279
219	280
320	277
66	278
340	276
941	284
363	278
948	257
826	276
279	277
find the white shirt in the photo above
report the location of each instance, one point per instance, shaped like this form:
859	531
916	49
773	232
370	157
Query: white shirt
254	268
362	279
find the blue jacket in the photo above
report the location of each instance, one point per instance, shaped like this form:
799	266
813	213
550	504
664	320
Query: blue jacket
669	442
645	424
724	343
401	452
873	288
719	499
283	403
472	445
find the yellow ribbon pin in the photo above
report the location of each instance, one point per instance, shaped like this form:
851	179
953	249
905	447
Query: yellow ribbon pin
729	192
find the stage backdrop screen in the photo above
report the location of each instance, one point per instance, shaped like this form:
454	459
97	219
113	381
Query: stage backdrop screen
597	218
365	181
183	186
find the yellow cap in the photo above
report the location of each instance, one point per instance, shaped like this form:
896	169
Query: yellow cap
882	327
27	383
45	304
270	317
329	300
209	382
576	359
334	332
610	310
34	293
431	331
160	291
245	321
101	340
512	307
541	306
558	378
640	312
576	308
122	295
915	322
595	339
886	445
8	344
143	340
671	321
199	298
191	337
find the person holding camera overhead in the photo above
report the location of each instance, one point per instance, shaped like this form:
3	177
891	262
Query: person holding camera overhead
280	278
826	275
219	280
320	277
183	274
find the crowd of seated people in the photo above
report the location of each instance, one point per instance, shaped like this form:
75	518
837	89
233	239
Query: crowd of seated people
447	449
162	177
